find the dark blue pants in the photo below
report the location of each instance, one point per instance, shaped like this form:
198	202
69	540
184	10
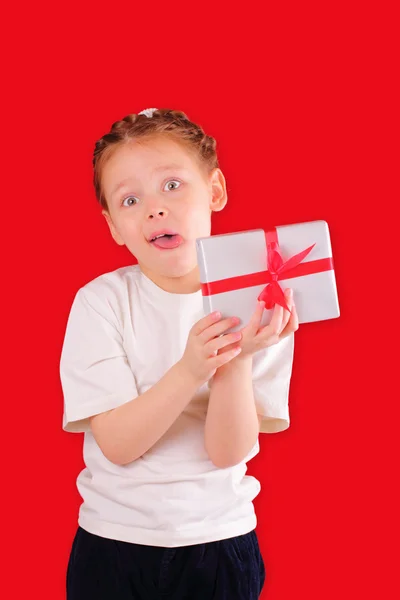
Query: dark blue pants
104	569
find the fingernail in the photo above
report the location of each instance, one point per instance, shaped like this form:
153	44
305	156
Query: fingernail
261	303
216	315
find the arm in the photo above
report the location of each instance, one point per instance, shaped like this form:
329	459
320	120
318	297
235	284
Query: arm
99	385
125	433
232	425
128	431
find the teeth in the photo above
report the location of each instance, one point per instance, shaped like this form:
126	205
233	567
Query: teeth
161	235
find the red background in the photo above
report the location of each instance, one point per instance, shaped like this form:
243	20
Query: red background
301	99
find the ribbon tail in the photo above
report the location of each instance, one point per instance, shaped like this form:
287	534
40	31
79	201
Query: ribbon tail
273	294
266	296
295	260
280	298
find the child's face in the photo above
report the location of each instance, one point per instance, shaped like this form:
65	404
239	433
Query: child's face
144	198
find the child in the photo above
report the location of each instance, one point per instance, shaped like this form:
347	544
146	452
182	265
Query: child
171	409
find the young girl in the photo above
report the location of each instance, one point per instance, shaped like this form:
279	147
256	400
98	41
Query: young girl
170	407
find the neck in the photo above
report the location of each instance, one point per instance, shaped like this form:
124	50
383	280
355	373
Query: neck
185	284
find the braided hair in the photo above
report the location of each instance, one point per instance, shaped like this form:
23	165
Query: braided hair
164	122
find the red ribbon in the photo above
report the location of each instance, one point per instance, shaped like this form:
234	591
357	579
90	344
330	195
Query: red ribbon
277	269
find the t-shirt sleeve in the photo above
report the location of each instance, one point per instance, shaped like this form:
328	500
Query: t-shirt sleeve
94	370
272	371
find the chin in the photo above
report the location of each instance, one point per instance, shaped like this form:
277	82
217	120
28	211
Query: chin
180	270
181	264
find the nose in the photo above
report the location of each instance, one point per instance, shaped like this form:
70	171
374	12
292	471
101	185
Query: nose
157	213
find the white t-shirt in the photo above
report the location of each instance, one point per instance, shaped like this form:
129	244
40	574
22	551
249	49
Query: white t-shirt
123	333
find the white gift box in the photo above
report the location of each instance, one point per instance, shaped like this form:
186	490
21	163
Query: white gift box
237	268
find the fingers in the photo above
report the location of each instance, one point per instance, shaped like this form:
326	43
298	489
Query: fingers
210	329
205	322
293	323
254	324
275	325
218	328
220	342
286	314
255	321
225	357
281	322
208	332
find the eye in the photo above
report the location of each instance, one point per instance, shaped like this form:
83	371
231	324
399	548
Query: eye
171	181
127	199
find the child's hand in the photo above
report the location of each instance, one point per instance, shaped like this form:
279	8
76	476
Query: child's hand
281	325
201	359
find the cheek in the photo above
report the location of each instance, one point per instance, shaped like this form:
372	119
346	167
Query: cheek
199	223
196	208
128	224
129	231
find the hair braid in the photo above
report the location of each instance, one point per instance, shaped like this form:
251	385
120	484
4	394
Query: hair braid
172	123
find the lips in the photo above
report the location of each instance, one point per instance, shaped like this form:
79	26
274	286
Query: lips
165	239
160	232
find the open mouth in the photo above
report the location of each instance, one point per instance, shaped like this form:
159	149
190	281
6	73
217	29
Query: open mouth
167	241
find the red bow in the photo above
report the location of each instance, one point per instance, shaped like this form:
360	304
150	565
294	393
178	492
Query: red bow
272	293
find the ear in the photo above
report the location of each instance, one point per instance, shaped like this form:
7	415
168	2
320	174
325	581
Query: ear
117	238
219	196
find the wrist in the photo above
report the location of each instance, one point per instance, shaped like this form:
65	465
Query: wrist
246	359
186	375
242	364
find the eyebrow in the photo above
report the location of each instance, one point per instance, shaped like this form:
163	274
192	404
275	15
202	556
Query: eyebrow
156	170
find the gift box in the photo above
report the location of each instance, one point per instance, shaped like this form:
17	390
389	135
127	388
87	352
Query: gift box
237	269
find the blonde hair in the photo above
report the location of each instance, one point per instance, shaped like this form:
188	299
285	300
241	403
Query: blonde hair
172	123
